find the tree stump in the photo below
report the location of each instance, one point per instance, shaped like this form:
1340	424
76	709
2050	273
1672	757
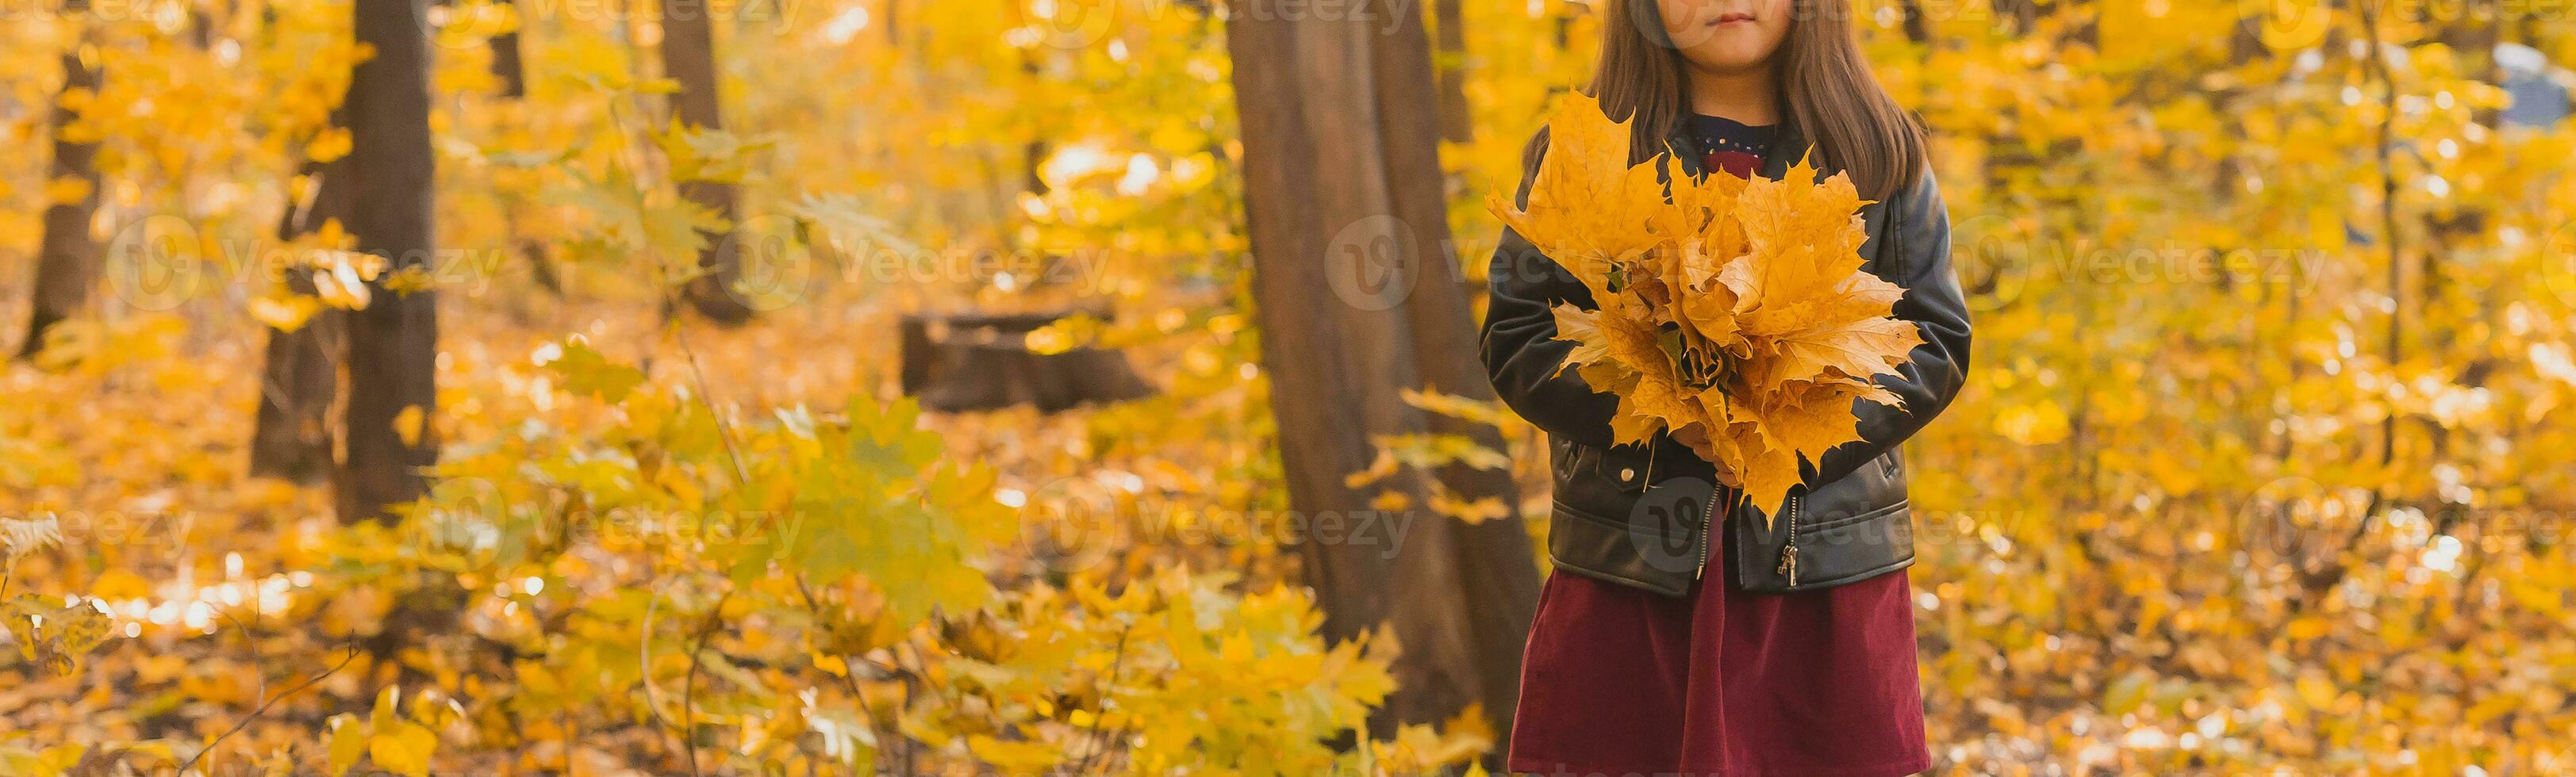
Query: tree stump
980	361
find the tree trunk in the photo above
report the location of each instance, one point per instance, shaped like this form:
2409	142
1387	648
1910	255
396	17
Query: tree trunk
2473	37
1358	297
689	57
201	28
977	361
292	438
393	342
301	378
506	66
512	72
1456	126
2023	13
68	258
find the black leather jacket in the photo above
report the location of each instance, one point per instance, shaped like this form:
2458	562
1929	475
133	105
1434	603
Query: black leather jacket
1640	517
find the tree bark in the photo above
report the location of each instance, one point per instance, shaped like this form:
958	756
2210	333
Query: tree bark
1456	125
689	57
506	66
2023	13
393	341
2473	37
981	361
68	258
512	71
1358	297
292	435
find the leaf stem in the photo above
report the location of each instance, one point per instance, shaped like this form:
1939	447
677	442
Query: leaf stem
263	707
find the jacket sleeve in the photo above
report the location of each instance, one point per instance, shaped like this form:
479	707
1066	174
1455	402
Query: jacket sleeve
1521	353
1916	256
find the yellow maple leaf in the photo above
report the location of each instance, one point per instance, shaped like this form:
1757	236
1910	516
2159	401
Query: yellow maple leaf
1587	207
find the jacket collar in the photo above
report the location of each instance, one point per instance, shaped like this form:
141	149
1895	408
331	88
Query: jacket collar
1786	147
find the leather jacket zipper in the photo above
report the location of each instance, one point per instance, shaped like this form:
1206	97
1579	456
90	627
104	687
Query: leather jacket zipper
1789	555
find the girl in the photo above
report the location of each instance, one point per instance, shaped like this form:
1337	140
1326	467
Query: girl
1674	637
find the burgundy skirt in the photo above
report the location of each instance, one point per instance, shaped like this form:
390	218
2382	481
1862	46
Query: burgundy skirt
1618	681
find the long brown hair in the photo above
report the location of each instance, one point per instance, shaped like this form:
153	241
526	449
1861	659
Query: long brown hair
1827	94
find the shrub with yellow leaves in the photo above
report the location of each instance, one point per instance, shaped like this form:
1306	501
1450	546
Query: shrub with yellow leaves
1730	313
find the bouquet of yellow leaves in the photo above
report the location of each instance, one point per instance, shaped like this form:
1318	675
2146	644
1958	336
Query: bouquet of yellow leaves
1732	313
